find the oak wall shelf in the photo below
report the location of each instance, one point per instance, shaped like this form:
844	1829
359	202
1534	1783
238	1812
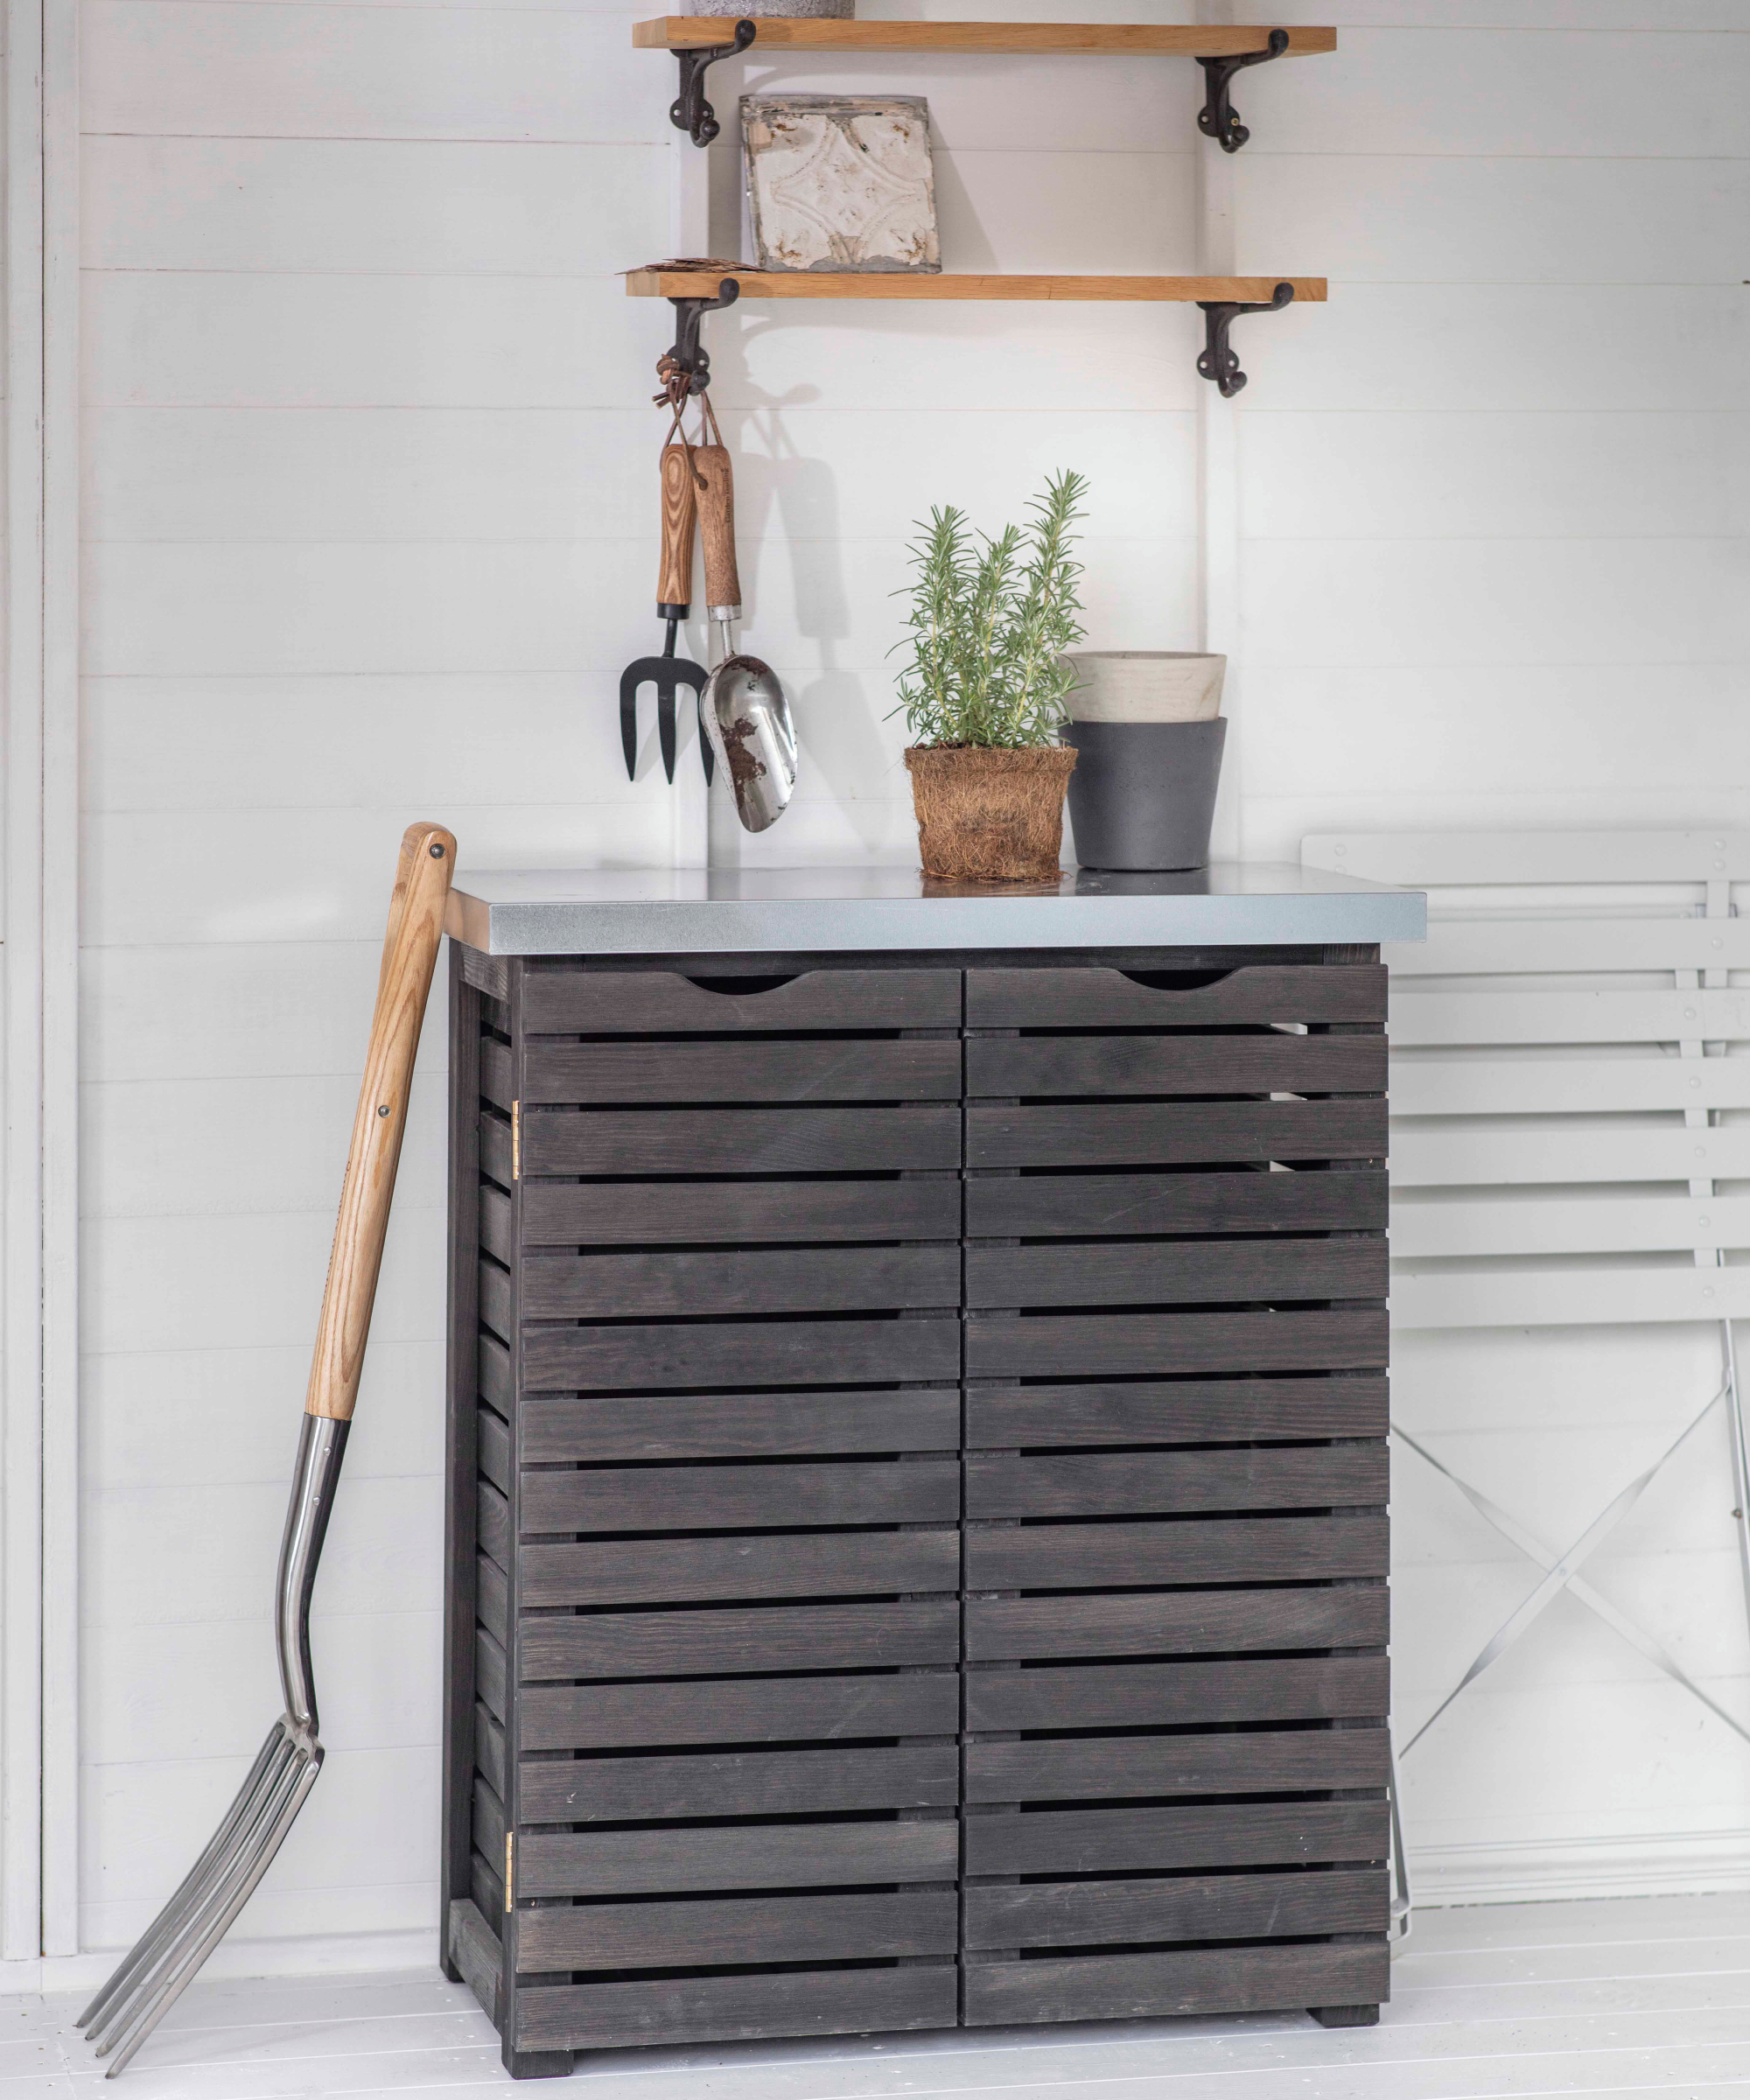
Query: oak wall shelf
698	290
656	282
697	42
687	33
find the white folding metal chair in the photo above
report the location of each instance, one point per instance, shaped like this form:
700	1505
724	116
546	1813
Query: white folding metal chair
1570	1064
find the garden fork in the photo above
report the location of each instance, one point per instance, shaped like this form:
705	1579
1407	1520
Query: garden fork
168	1955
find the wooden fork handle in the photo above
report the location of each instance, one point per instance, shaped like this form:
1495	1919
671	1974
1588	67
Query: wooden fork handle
416	925
680	497
717	528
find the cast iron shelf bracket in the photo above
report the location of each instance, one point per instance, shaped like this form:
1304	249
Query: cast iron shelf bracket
1217	118
690	111
688	355
1216	360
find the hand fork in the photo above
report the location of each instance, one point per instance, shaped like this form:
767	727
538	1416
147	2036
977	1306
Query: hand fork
169	1954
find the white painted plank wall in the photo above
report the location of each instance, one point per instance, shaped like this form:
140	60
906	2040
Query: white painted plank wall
369	533
1495	500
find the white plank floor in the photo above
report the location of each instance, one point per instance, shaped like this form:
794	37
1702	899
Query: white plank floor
1609	1998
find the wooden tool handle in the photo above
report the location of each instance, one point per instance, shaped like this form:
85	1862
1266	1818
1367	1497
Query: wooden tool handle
416	924
716	526
675	584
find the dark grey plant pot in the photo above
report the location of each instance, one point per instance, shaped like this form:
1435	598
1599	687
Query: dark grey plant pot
1143	794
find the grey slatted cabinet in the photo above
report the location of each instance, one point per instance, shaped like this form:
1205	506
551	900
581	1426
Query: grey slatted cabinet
917	1529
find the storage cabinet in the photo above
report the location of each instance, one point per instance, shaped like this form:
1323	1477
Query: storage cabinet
918	1483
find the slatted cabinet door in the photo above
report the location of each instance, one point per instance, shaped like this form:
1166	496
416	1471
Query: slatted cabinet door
1175	1547
729	1561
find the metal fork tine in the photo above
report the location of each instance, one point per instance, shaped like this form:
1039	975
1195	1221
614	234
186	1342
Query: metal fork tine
146	1948
208	1928
246	1821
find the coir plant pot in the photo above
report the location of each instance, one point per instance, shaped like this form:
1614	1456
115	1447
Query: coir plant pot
1143	794
988	814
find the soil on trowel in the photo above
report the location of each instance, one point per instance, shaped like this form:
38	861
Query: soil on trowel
743	767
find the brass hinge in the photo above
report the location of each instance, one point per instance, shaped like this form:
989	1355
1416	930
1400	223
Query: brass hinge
510	1865
516	1141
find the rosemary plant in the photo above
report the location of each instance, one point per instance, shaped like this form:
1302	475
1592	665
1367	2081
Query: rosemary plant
990	619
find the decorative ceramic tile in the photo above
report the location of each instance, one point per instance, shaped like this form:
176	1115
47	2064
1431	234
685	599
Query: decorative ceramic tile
840	182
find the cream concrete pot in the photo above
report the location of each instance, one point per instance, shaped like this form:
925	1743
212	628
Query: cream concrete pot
829	10
1146	685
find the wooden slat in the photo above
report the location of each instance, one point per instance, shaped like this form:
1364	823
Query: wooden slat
1183	1411
1481	858
1173	1134
498	1072
494	1287
1111	1840
1275	1761
746	1929
1566	1086
1102	998
496	1380
1062	1205
1115	1344
490	1753
1548	1296
1160	1272
1281	1549
1041	1066
476	1953
488	1820
999	1629
727	1710
1583	1225
744	1426
561	1001
495	1148
759	1782
1283	1905
655	283
704	1569
1447	1019
680	33
496	1232
490	1679
492	1450
738	2007
491	1599
740	1141
773	1637
491	1522
1597	1149
1204	1980
1500	947
624	1863
622	1214
857	1069
798	1352
1116	1484
720	1498
1159	1695
771	1279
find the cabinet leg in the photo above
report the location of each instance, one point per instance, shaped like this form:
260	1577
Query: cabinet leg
536	2063
1345	2016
